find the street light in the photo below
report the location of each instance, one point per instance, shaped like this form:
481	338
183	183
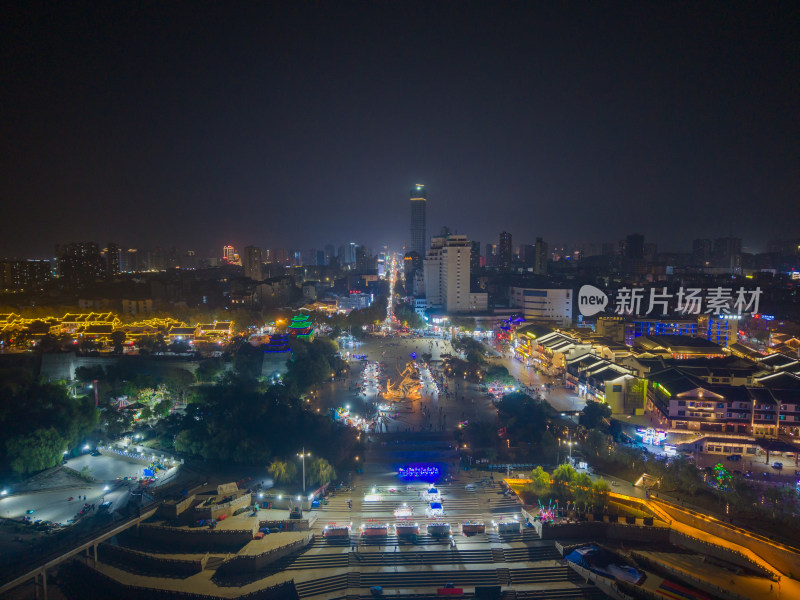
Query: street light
302	456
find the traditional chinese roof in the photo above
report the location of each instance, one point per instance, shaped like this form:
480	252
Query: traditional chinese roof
781	380
778	361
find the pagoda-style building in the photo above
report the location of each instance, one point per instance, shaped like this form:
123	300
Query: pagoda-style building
301	327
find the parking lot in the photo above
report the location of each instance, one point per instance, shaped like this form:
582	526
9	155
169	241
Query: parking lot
106	468
54	501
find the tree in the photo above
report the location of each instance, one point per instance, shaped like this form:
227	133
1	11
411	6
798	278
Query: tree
562	478
117	422
282	471
600	489
35	451
118	338
408	316
319	472
595	414
209	369
187	441
498	374
596	443
162	409
540	482
581	487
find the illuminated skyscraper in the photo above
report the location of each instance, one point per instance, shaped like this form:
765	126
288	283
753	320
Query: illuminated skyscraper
228	254
418	201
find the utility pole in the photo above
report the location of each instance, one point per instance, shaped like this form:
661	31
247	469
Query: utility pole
303	455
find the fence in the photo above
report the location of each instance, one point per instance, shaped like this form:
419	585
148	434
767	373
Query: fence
250	563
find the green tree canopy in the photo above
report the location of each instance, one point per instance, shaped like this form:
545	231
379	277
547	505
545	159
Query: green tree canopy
595	414
540	484
282	471
35	451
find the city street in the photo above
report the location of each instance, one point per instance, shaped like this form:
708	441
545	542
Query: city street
559	397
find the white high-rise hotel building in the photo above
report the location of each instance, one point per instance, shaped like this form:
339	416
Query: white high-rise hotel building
447	276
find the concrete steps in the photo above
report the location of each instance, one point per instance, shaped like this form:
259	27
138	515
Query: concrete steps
429	557
324	585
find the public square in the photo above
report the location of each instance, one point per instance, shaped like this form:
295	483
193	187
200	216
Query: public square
443	403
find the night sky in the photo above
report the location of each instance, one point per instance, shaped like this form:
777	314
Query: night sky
297	124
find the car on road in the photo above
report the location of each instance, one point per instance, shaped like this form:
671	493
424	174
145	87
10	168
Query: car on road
777	465
734	457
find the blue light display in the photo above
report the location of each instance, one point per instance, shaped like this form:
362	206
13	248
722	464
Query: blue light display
418	472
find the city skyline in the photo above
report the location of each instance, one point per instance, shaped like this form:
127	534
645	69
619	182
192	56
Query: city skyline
571	124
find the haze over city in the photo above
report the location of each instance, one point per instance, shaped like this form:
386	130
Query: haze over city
342	300
276	123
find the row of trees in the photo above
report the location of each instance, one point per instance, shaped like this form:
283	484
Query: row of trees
567	485
524	431
39	421
318	471
239	421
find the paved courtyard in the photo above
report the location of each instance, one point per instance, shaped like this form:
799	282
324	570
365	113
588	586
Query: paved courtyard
443	402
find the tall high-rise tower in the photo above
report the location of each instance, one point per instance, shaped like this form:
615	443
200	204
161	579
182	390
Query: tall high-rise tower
252	263
418	201
504	250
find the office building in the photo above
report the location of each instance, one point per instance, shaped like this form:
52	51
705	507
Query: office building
80	264
540	262
505	252
543	305
701	253
252	263
634	246
419	200
728	254
528	255
130	261
412	262
112	259
475	257
447	276
24	275
492	257
720	329
228	254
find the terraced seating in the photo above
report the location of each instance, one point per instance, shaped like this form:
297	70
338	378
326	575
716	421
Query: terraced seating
429	557
325	585
430	578
543	575
531	554
578	593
